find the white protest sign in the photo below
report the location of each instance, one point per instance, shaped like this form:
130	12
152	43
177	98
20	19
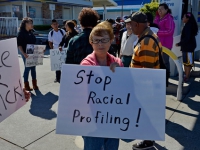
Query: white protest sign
57	58
11	93
35	55
96	102
176	7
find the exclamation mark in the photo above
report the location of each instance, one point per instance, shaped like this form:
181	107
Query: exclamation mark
20	87
138	117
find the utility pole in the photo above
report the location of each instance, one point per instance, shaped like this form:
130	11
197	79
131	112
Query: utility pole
122	9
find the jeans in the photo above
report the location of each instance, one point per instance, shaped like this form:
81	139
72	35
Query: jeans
27	70
126	60
58	74
97	143
166	61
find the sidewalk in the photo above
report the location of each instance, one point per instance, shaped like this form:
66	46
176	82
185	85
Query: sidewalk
33	126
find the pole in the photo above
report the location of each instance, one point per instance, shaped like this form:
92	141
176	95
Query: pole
122	8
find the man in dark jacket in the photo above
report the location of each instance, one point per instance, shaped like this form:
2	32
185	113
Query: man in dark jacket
79	46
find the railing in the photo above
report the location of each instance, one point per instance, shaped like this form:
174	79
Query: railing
8	26
180	71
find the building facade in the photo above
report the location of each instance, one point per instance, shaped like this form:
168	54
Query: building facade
42	11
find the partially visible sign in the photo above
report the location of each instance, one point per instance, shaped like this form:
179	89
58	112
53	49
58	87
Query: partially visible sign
35	55
57	58
51	6
96	102
11	93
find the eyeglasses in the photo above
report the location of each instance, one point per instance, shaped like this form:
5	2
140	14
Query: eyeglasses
96	41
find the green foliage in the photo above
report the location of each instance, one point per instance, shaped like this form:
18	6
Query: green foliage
150	7
42	27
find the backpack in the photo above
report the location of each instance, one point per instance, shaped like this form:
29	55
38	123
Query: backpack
161	61
58	30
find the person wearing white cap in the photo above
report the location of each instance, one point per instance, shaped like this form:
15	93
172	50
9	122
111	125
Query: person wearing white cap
127	46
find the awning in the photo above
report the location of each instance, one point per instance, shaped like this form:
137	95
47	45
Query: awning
100	3
81	3
132	2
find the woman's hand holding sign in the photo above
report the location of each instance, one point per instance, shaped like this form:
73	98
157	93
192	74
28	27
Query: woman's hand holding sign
113	66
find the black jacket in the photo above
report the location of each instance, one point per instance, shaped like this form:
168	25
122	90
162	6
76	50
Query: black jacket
79	47
67	37
25	37
188	41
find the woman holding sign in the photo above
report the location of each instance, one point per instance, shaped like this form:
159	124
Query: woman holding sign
101	38
24	37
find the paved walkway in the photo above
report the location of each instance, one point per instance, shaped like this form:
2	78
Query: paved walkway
33	126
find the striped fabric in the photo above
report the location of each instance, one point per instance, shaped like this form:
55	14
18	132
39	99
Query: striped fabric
146	53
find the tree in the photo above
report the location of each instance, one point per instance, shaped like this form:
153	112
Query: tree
150	7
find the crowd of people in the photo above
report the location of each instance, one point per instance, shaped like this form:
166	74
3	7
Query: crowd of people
135	42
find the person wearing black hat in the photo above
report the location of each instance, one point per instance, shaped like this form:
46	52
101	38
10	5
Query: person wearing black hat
146	54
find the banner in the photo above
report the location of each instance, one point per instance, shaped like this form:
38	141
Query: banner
11	93
57	58
35	55
96	102
176	7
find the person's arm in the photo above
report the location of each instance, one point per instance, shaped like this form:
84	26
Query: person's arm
20	40
187	35
22	52
70	52
62	43
169	28
50	40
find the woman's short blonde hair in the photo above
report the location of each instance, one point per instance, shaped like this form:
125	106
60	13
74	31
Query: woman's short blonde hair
103	28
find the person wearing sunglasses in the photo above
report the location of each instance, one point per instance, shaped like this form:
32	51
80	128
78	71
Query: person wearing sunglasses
101	38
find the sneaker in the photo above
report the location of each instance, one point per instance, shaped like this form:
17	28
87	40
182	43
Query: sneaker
143	145
57	80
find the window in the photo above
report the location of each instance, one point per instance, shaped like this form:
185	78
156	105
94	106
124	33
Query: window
17	11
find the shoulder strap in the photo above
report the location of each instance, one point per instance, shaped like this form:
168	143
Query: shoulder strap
162	64
150	36
51	33
61	32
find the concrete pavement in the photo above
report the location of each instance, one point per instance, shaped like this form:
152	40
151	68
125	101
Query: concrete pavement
33	126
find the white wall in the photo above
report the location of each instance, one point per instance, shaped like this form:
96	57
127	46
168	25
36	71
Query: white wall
76	12
67	12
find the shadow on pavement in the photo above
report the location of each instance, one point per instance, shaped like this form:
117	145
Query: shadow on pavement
189	139
41	105
158	147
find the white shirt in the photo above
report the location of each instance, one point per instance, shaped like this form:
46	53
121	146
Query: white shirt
154	29
56	38
127	44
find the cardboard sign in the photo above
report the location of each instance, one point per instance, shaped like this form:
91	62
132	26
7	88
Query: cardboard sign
96	102
57	58
11	93
35	55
